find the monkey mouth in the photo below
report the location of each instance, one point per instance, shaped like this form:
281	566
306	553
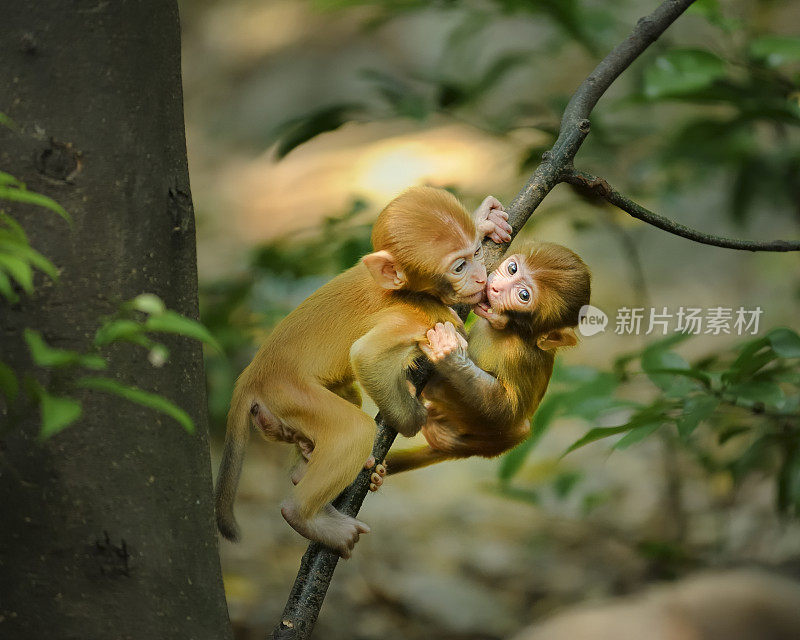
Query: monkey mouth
475	298
483	309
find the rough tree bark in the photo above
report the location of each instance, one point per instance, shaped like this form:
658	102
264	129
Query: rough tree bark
107	528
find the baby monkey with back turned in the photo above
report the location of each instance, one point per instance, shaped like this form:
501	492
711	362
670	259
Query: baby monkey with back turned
365	325
486	389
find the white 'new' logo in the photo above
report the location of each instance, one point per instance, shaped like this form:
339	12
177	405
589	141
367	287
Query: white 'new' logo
591	320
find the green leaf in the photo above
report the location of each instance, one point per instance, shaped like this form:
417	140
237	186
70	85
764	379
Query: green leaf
565	482
712	12
30	197
8	179
785	342
593	397
149	303
7	290
158	354
498	69
303	129
24	251
695	410
776	50
788	481
755	456
171	322
127	330
575	373
57	413
593	435
398	94
681	72
13	227
8	382
144	398
668	342
6	121
757	391
19	270
674	385
636	435
694	374
512	461
46	356
744	363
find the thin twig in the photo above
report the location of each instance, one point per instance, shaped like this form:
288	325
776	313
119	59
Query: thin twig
600	187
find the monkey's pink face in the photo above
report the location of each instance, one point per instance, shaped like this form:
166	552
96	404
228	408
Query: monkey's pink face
511	287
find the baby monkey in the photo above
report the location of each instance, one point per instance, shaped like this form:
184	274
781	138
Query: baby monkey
364	326
486	389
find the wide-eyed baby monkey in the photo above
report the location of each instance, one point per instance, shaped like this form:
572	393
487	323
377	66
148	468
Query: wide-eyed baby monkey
486	388
365	325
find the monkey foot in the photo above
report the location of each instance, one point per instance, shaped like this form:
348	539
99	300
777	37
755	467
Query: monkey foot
376	479
329	526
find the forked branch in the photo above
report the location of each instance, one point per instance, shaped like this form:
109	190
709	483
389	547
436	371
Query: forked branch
318	564
599	187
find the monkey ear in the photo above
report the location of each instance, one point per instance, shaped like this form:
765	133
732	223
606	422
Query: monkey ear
557	338
383	269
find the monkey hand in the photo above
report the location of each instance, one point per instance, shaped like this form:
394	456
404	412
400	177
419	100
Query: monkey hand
407	419
492	220
444	342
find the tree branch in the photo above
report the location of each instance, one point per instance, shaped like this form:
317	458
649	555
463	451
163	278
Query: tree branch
600	187
319	562
575	123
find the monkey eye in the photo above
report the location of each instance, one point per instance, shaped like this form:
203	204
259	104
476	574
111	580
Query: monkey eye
512	267
460	266
478	250
524	295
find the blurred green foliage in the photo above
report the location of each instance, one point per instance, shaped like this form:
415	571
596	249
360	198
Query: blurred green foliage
747	399
743	89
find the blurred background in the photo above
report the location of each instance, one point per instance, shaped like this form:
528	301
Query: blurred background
304	118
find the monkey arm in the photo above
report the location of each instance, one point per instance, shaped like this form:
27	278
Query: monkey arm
380	361
478	390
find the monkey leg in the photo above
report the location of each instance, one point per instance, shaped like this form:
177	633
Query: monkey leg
348	391
343	438
300	469
272	428
380	360
409	459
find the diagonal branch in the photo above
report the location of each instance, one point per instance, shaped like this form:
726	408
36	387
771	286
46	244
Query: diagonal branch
575	123
599	187
318	563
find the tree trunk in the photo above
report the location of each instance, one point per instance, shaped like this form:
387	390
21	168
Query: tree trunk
107	527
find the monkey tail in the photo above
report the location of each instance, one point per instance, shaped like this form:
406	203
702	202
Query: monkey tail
409	459
230	468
